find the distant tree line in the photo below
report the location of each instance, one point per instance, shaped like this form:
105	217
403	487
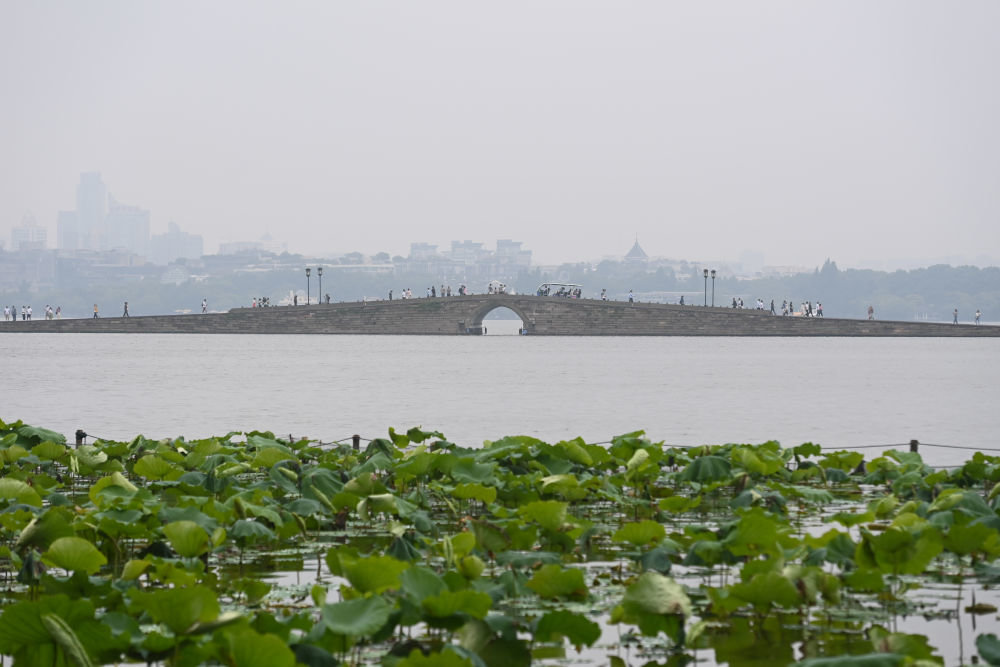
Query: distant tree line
930	293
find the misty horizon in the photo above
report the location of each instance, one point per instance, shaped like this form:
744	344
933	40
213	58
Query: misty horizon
787	133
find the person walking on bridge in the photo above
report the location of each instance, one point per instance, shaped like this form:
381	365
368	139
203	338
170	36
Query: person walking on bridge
954	317
125	314
95	311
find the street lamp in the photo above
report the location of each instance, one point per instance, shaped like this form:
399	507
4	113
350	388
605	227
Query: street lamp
319	272
308	273
713	288
705	273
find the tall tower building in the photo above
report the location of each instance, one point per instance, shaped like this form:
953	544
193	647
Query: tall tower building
127	227
67	231
91	211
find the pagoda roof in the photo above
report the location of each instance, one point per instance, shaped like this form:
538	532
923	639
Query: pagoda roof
636	253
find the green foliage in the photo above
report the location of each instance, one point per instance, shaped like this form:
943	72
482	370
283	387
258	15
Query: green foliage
989	648
655	603
552	581
706	469
74	554
640	534
361	617
578	630
474	554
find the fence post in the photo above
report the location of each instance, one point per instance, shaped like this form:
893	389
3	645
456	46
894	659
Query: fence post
914	445
356	439
80	435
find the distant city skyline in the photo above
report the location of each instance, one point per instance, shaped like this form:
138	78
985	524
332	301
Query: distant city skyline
789	133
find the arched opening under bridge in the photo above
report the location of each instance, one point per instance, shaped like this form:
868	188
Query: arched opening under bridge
496	320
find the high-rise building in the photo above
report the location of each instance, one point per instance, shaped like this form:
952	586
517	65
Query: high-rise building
127	227
165	248
91	211
28	235
67	231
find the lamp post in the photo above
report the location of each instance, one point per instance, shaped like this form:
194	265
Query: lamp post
713	288
705	273
308	273
319	272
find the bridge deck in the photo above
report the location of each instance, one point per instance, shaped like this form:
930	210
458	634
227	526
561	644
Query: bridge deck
463	315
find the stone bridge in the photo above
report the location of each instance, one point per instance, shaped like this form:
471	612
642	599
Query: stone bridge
463	315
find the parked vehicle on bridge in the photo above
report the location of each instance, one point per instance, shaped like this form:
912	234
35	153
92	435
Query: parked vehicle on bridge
570	290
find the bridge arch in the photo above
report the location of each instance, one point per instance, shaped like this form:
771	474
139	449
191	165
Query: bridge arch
491	304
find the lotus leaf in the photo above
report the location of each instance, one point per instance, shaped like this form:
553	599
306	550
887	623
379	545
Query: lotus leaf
35	435
190	514
655	603
415	464
679	504
248	531
577	629
361	617
899	551
866	660
135	569
658	559
446	658
884	507
756	533
848	519
153	467
89	456
45	529
449	603
467	470
766	589
12	453
418	583
25	635
972	538
48	450
268	456
382	503
757	461
180	609
640	534
706	469
989	648
252	649
461	544
575	452
913	647
367	575
305	507
489	538
19	492
187	538
549	514
552	582
74	554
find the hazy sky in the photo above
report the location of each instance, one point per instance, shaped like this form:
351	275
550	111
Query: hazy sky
861	131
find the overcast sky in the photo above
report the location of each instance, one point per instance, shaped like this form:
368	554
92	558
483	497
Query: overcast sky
861	131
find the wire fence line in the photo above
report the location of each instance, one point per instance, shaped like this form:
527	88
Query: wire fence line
911	444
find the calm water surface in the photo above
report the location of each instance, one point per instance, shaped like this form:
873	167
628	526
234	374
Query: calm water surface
833	391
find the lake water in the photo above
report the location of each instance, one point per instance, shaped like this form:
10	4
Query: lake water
838	392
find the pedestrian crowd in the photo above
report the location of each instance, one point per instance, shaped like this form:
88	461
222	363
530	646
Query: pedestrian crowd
10	313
